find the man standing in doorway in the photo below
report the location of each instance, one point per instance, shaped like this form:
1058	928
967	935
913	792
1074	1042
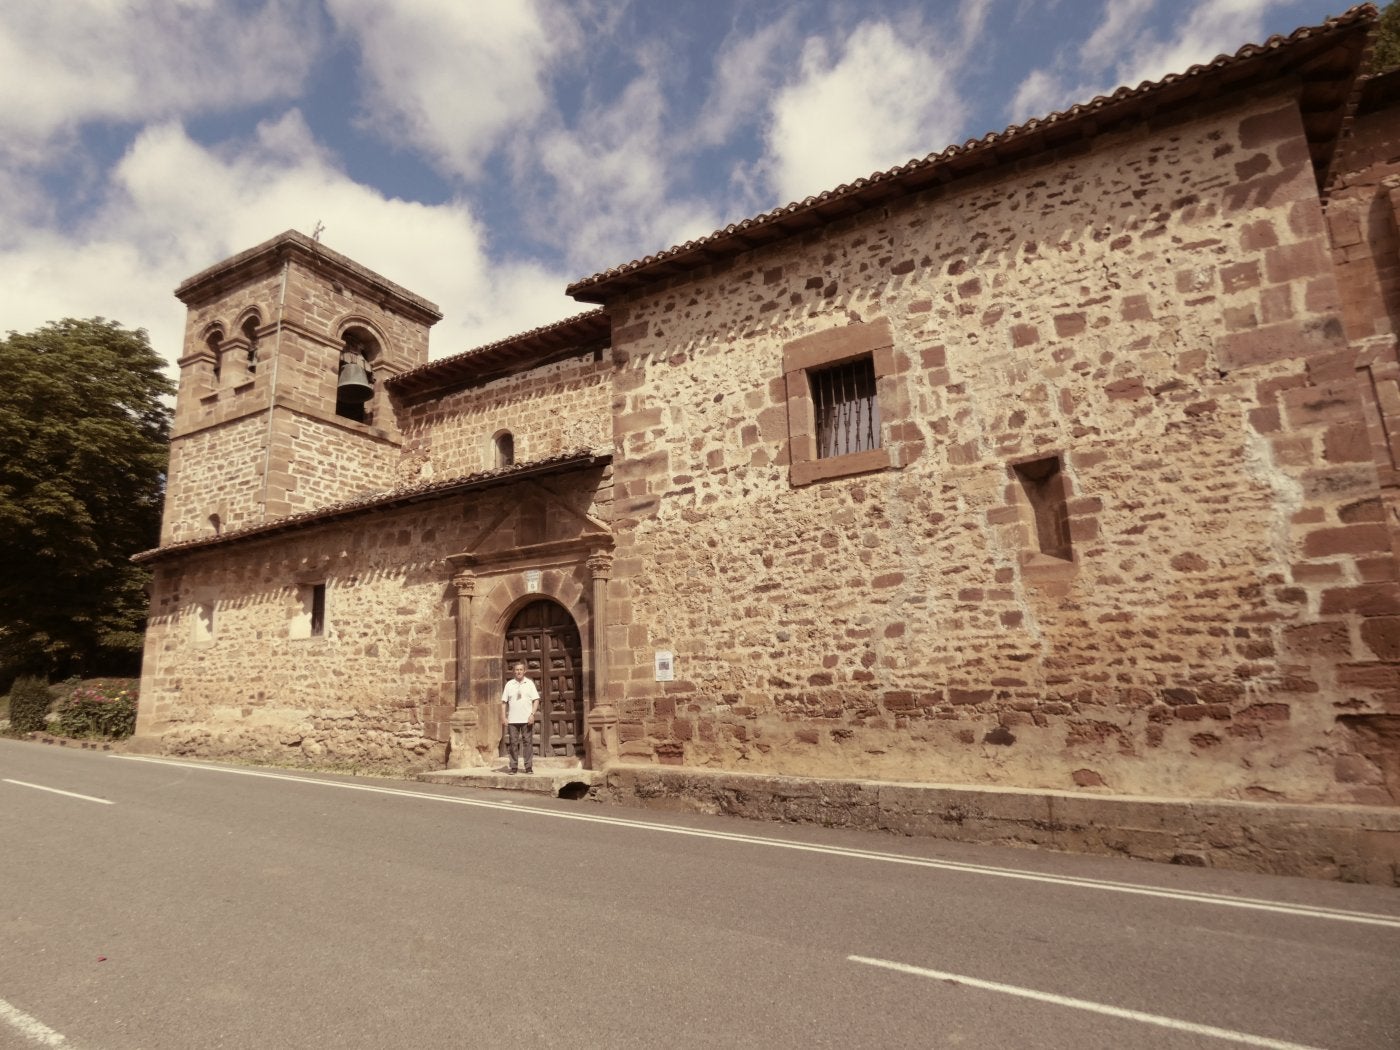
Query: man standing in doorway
522	705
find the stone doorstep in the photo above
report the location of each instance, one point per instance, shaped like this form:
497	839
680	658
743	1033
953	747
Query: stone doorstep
545	780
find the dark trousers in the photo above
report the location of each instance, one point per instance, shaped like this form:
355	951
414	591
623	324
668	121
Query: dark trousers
518	735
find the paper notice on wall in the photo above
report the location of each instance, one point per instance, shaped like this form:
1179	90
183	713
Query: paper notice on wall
665	665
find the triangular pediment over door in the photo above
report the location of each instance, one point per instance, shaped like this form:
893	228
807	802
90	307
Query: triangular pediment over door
534	519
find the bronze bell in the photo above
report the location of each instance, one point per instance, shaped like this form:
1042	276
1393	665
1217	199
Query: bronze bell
355	384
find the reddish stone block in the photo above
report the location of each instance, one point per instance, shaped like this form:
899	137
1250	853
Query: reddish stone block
1296	262
630	333
1369	599
969	696
1265	713
1252	166
1024	335
1265	420
1126	389
1255	236
1381	634
1136	308
1239	277
1348	539
1347	443
1067	325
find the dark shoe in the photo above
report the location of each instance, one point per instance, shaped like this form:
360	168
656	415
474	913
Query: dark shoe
529	771
511	772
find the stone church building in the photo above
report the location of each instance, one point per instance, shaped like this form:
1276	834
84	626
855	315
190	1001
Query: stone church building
1063	460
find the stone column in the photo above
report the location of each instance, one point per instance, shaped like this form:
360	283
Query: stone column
466	720
602	718
600	568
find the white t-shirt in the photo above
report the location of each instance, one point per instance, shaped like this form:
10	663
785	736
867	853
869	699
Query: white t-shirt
519	698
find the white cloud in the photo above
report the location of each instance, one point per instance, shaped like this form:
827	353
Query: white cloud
877	103
1212	27
1126	49
610	198
454	79
176	207
746	70
65	64
1122	21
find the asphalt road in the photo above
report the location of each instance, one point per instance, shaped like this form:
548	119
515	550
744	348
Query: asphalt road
154	904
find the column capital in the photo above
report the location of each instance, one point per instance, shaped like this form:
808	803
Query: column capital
600	564
465	582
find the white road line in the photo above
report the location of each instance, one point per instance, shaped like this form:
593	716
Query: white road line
1084	1004
1190	896
34	1031
56	791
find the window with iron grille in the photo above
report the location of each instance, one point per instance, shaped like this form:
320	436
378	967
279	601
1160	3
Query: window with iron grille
834	380
846	408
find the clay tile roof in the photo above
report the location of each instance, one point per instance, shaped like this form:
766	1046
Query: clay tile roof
1326	58
393	498
530	349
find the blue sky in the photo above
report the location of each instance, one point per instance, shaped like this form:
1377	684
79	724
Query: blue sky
485	153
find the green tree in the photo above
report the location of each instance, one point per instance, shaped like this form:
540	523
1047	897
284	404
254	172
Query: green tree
83	433
1386	45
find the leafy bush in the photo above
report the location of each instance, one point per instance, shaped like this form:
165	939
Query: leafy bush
99	709
29	702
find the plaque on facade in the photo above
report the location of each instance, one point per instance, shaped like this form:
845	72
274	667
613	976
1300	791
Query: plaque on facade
532	581
665	665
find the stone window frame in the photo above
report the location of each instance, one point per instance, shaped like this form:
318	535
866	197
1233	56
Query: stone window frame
1045	492
835	346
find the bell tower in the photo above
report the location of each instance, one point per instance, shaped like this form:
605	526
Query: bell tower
281	405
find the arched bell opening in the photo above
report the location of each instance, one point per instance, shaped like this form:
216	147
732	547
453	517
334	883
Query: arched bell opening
544	637
249	327
355	386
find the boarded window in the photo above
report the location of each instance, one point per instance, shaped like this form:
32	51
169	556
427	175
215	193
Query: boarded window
846	408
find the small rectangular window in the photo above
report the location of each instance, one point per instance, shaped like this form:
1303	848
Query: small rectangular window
310	618
204	622
318	610
1044	486
846	408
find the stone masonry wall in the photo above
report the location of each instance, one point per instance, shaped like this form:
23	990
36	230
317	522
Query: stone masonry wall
378	689
215	471
548	410
1161	313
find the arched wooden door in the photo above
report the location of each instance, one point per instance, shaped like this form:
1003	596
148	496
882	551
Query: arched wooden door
545	638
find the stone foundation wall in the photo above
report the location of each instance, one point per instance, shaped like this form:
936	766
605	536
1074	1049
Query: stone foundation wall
1347	843
1161	313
